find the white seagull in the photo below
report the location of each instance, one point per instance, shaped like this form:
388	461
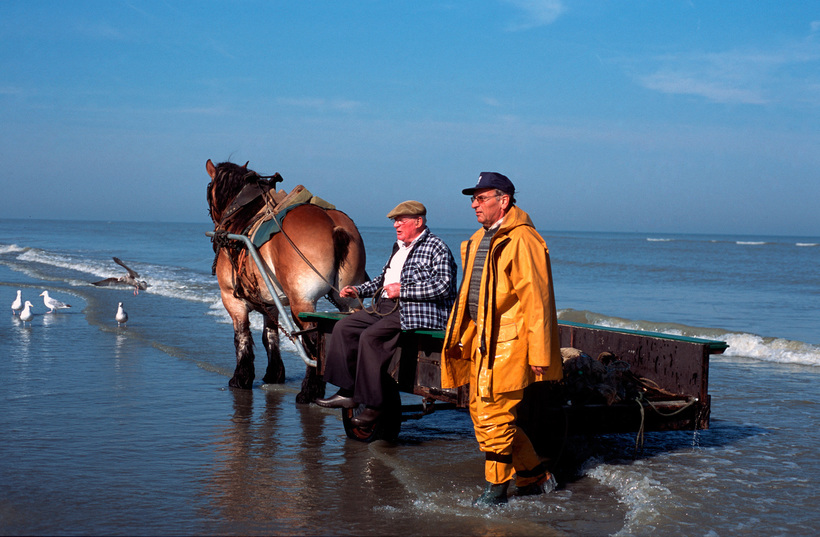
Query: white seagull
26	314
121	316
17	305
52	303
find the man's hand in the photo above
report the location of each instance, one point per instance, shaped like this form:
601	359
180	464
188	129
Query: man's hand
392	290
348	291
538	369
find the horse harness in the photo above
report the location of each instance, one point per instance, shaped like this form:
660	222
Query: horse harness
256	203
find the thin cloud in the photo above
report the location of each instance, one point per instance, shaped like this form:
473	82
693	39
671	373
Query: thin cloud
320	104
742	77
100	30
536	13
692	84
10	90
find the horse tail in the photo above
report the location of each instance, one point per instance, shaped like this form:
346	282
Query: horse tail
341	246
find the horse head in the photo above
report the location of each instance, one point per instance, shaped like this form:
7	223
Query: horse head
227	180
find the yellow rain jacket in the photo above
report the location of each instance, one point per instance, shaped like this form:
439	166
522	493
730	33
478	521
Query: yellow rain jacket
517	325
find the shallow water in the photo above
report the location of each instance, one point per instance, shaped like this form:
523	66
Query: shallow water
132	430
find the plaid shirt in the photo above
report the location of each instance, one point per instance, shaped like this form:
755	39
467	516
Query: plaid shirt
428	284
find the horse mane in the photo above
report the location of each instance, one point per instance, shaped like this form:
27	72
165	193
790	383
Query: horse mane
229	180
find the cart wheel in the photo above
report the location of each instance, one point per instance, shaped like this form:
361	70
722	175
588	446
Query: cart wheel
387	427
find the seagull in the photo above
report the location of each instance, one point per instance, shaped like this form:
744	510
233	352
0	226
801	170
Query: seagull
17	305
130	279
53	303
121	316
26	314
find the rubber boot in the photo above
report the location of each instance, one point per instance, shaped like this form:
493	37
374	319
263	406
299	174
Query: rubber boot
494	494
546	484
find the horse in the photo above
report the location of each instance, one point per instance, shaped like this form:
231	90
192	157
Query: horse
317	252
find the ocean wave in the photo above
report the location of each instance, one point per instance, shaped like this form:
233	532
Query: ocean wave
778	350
750	243
650	239
767	349
805	244
65	261
640	493
10	249
170	282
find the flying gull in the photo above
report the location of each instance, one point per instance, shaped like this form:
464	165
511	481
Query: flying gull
52	303
26	314
17	305
122	316
131	279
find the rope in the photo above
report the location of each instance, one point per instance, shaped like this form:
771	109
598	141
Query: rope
376	297
639	439
670	414
312	267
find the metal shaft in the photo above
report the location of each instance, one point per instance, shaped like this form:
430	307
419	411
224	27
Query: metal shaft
284	316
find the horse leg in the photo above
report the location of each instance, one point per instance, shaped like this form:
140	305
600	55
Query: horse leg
313	385
243	341
275	373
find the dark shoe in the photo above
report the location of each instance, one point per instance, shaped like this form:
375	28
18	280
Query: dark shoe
494	494
337	401
546	484
367	418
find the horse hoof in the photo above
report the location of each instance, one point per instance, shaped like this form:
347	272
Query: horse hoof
279	379
234	383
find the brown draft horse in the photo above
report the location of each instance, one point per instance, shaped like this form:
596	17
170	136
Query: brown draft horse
328	239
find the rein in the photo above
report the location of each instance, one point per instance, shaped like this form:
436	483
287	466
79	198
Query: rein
315	270
242	199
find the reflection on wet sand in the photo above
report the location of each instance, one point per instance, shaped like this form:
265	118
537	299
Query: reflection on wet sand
290	470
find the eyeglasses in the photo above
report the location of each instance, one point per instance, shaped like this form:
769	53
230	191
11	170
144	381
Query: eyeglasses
482	199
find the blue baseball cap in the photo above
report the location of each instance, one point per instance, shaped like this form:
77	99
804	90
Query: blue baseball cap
491	180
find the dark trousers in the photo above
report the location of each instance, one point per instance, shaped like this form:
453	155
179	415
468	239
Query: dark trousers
359	351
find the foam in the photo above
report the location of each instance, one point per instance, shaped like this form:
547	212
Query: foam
10	249
776	350
767	349
637	490
164	281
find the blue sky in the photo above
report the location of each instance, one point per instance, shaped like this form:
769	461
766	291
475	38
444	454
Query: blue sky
649	116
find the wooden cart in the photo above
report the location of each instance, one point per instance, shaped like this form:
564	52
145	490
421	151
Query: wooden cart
678	365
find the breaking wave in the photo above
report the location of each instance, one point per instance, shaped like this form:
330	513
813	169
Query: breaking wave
10	248
77	270
768	349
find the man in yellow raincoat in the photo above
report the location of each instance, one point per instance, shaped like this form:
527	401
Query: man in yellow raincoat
502	335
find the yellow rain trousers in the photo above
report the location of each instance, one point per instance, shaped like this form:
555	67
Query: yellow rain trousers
507	450
516	328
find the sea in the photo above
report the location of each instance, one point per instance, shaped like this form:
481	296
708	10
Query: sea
132	430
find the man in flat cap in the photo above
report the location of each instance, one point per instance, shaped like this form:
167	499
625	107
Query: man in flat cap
503	335
415	290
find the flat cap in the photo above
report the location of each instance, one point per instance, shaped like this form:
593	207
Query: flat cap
408	208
